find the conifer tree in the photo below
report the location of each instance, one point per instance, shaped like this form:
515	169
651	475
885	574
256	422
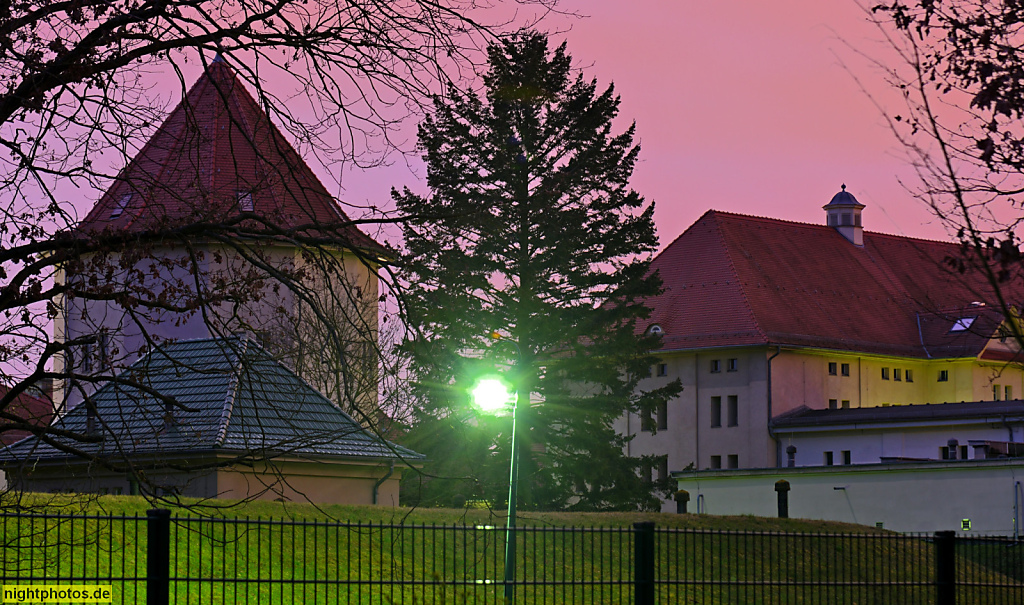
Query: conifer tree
530	229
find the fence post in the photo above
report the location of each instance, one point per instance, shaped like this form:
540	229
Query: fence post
945	568
158	556
643	563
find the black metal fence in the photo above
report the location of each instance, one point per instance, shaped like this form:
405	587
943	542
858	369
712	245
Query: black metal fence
162	559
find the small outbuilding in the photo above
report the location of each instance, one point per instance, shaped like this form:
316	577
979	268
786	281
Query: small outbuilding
211	418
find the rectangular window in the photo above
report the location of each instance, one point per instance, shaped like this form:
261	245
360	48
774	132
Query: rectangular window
662	415
827	459
1009	393
662	369
845	404
833	404
734	461
87	357
716	462
885	373
733	365
846	457
963	452
943	375
104	353
909	375
845	369
897	374
663	469
996	392
716	411
833	368
245	201
716	366
646	421
734	410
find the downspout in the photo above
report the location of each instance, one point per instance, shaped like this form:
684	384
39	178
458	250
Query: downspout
696	413
1016	510
1008	426
376	486
771	429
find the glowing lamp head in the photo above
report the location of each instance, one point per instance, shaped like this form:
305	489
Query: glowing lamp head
492	395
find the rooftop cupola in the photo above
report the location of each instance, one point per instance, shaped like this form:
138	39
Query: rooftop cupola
844	214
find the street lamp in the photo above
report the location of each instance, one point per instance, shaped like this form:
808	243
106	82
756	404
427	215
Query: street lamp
492	394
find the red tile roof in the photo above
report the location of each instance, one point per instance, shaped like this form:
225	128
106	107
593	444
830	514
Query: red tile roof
33	409
215	147
733	280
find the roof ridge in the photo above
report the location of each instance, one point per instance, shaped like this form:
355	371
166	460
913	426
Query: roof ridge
821	226
229	400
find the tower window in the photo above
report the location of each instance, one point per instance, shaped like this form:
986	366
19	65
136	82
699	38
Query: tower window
734	461
908	375
716	366
662	369
996	392
827	459
662	415
833	368
845	369
897	374
716	412
943	375
121	205
716	462
732	365
845	404
885	373
833	404
846	457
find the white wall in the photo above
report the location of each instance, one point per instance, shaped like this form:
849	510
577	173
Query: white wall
915	497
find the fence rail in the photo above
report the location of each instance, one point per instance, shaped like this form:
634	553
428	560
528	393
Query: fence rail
160	559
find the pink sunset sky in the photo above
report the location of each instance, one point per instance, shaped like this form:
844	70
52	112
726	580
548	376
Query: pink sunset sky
744	106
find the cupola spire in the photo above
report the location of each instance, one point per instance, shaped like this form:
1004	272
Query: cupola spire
843	214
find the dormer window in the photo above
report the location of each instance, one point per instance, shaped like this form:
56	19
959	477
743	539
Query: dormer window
121	205
245	201
962	324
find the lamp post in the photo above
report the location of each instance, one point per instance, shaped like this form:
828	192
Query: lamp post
492	394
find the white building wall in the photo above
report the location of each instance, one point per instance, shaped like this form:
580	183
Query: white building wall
914	497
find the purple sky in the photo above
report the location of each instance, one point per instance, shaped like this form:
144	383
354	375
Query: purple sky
742	106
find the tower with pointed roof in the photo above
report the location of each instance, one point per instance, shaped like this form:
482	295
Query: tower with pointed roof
215	207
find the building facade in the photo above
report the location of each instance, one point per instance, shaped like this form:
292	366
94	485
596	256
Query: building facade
764	319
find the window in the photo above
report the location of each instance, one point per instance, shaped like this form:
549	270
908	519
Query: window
734	461
897	374
996	392
121	205
654	329
845	404
943	375
663	469
846	457
646	421
845	369
716	411
662	415
662	369
833	404
733	365
908	375
87	357
1008	392
962	324
827	459
946	454
733	411
833	368
885	373
716	462
245	201
104	341
716	366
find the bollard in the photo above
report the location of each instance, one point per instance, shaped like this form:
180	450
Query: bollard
681	497
782	488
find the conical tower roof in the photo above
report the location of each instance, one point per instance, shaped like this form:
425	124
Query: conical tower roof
215	156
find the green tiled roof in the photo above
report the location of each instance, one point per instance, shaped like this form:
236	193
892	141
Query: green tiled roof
212	395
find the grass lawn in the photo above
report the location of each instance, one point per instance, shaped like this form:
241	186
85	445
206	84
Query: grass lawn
295	553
